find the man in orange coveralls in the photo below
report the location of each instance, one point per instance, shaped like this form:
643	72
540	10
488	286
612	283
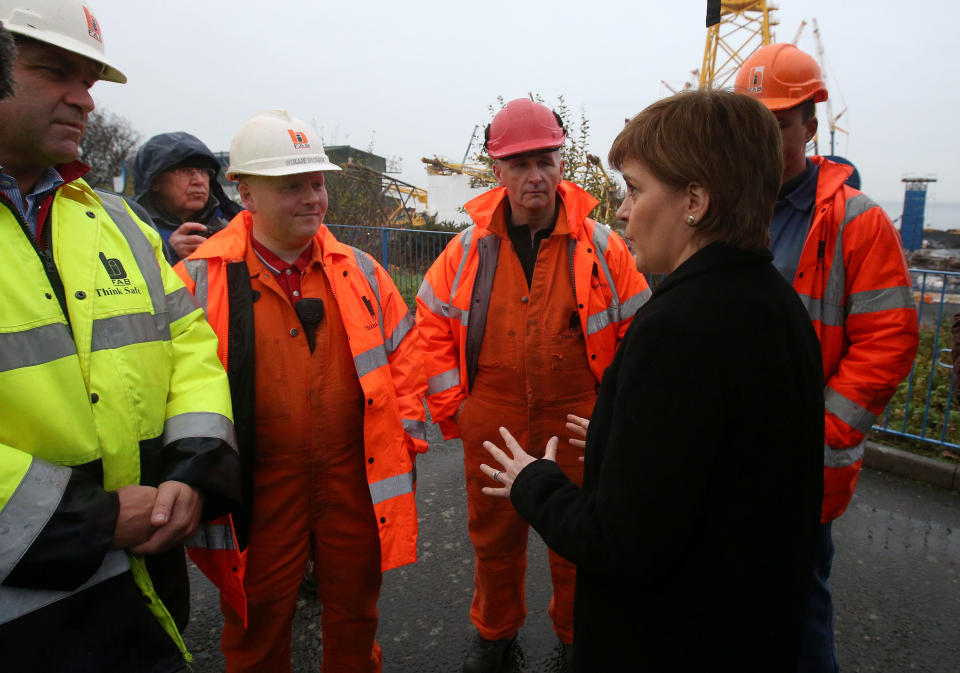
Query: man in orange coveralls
519	316
326	374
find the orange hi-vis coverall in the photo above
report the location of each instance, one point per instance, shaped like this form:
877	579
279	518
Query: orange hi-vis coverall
527	356
853	279
335	433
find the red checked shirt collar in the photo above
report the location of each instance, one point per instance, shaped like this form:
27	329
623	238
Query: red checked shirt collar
288	276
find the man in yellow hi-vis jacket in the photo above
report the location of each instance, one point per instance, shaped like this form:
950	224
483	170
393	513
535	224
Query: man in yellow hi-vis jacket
116	436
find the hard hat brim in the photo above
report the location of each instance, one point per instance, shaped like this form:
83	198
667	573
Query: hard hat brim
108	71
292	169
523	148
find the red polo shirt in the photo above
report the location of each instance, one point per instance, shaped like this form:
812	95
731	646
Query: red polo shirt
288	275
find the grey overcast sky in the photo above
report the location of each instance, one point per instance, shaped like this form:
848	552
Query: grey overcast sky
414	76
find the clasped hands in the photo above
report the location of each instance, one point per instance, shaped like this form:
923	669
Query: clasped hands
511	466
152	520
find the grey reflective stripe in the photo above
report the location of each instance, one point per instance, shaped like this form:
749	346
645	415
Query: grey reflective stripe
199	424
35	346
828	314
209	536
886	299
16	602
180	303
598	321
141	248
400	332
124	330
369	270
601	237
441	308
391	487
445	381
848	411
197	270
28	510
629	308
370	360
842	457
466	236
416	429
830	309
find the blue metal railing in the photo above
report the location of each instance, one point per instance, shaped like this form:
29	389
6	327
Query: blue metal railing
920	410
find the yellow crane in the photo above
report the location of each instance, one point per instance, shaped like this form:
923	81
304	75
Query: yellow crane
735	29
481	176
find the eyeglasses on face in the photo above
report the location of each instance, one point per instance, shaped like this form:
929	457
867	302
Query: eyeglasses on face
190	172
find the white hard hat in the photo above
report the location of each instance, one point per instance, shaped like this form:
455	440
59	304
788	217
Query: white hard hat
274	142
68	24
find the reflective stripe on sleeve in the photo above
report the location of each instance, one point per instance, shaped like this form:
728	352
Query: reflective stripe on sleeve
212	536
444	381
15	602
466	237
180	304
35	346
391	487
124	330
28	510
842	457
848	411
817	309
416	429
402	329
197	270
629	308
886	299
369	360
199	424
441	308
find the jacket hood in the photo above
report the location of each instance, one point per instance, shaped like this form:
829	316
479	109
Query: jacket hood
166	150
577	202
831	178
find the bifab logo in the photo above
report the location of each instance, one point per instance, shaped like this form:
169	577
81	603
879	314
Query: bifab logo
756	79
299	139
118	276
93	27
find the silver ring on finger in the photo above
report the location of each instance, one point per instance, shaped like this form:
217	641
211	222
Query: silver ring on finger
496	476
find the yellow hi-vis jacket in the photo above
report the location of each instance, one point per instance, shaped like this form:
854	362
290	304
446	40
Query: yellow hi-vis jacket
104	394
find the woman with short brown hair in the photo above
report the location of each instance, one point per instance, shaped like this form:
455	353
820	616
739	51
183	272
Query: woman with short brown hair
693	533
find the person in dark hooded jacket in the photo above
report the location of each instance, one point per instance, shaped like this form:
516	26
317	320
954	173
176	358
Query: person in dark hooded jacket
175	181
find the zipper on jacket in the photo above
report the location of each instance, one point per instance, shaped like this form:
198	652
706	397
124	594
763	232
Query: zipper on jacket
49	265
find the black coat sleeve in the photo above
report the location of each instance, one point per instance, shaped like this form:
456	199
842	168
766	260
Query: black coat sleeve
652	456
208	465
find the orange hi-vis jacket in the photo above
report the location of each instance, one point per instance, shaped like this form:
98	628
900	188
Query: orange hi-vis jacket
388	363
453	299
853	279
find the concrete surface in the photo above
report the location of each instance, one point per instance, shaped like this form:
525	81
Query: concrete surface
896	582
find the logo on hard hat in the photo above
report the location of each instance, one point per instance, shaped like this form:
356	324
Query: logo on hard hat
756	79
93	26
299	139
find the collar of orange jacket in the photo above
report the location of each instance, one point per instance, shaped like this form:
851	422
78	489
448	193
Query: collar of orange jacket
577	203
231	243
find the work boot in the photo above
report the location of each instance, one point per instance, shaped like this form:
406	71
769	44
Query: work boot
487	656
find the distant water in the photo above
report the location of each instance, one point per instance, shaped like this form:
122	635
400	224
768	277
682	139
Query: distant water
937	214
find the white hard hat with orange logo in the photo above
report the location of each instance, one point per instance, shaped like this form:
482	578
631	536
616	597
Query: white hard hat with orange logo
274	142
68	24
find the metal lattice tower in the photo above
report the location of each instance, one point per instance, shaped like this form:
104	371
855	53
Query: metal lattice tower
744	26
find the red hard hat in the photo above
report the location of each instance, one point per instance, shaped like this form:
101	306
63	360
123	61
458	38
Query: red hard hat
523	126
781	76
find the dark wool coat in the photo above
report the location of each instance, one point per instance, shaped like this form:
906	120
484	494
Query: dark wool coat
693	534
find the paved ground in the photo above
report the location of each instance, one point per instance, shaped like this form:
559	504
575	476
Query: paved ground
896	579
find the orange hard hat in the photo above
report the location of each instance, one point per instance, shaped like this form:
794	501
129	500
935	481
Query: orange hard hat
523	126
781	76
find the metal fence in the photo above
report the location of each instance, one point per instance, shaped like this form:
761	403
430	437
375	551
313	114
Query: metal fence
922	408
